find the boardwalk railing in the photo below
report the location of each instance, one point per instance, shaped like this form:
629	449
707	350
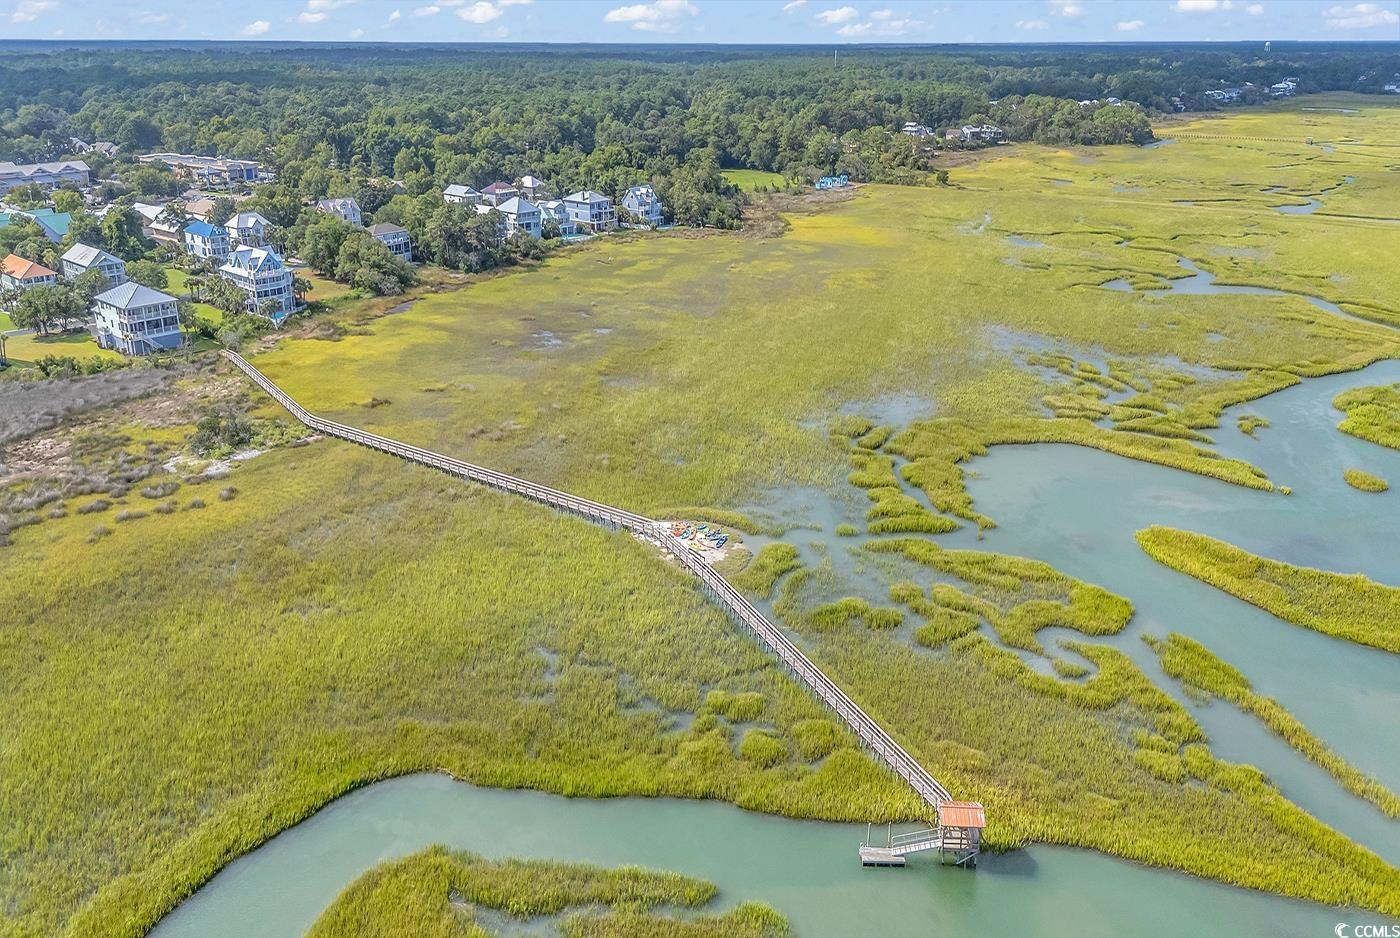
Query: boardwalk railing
870	733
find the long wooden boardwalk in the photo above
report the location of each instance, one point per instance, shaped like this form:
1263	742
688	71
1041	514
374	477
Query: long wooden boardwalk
870	733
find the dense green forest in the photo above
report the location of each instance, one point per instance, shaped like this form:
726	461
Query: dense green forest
391	125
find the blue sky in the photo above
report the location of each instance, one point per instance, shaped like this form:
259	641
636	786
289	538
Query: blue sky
726	21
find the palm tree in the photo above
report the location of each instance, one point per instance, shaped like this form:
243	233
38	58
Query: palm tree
193	283
300	288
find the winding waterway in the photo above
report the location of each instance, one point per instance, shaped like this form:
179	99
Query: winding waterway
808	871
1077	509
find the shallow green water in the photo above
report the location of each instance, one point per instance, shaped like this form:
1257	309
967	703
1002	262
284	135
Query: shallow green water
806	870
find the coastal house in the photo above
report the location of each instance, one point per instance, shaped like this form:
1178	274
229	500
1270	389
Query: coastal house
979	133
346	209
554	210
498	192
532	187
642	204
520	215
81	258
205	240
914	129
247	229
54	225
136	320
1224	95
196	206
74	172
395	239
260	273
591	211
209	170
1284	89
461	195
105	147
19	273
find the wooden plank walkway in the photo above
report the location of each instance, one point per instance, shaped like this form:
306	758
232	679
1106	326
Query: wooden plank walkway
870	733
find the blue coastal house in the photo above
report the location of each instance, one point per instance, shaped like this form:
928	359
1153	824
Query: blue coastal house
642	204
205	240
591	212
260	274
136	320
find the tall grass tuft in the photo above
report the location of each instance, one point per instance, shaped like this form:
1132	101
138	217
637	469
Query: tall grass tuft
1348	606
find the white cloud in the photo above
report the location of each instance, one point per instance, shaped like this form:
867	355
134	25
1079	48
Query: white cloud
430	10
1254	9
152	19
881	14
1067	8
394	16
317	11
1201	6
29	10
356	33
1360	16
1032	24
1130	26
256	28
837	15
879	27
480	12
659	16
793	5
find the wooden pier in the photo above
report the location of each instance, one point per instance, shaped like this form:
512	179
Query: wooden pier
964	819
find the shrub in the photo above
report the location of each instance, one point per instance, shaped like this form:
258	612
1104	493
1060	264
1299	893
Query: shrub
160	490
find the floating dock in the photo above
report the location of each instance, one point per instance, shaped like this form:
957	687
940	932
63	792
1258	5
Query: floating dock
880	856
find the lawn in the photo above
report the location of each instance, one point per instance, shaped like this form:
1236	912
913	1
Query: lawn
6	323
344	617
26	349
750	179
322	289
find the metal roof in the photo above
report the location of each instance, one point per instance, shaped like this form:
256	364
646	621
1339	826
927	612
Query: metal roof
961	814
87	256
132	295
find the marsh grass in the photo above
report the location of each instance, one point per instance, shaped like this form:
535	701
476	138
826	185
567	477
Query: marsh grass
281	656
435	893
1016	595
1348	606
1197	668
1372	414
767	567
1249	424
1364	481
217	675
